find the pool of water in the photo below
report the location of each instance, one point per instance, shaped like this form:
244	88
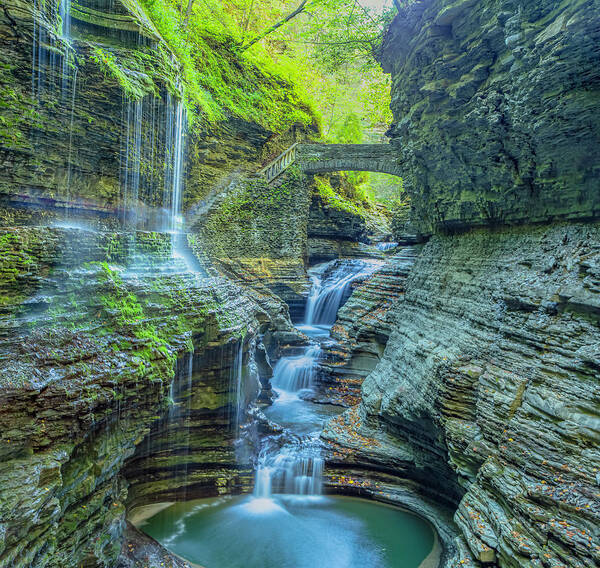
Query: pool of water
302	416
290	531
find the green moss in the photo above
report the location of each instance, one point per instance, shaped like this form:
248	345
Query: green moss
220	80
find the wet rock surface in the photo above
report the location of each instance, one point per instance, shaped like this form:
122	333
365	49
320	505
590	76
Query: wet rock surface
495	110
362	330
487	396
95	326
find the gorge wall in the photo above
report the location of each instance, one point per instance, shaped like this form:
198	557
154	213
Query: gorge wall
120	365
486	396
495	110
95	345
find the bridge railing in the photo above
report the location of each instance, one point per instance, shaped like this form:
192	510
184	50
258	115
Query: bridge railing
280	164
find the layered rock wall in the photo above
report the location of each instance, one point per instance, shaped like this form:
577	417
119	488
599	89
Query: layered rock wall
489	385
495	107
94	327
362	329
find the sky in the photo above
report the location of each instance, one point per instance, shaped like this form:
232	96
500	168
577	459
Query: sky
379	5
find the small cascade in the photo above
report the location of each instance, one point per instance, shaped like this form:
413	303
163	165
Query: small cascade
70	157
384	247
331	287
294	469
293	374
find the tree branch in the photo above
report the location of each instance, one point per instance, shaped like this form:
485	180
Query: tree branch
280	23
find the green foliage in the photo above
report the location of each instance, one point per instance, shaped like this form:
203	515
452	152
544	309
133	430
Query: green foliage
336	200
218	78
350	131
317	69
126	311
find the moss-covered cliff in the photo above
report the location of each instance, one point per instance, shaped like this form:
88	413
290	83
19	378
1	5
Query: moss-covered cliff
495	108
95	345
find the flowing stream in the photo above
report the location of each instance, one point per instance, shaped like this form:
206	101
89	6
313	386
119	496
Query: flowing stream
287	521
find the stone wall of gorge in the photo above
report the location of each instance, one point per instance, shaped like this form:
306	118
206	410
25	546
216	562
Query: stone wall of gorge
362	329
86	120
97	333
487	395
495	107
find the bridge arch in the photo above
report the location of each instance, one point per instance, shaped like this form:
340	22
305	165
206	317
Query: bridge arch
322	158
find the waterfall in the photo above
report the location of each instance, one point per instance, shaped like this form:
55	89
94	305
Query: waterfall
70	157
131	160
384	247
54	72
237	371
65	16
294	469
296	373
331	286
174	163
178	419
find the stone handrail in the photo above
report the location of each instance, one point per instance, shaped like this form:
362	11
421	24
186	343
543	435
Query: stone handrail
280	164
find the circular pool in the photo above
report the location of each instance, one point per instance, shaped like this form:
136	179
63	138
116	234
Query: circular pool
288	531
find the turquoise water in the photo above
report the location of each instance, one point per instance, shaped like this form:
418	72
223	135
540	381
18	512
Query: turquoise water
289	531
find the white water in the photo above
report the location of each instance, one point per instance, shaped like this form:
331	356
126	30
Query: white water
54	70
131	161
385	246
331	286
291	463
292	374
178	420
174	163
65	15
236	381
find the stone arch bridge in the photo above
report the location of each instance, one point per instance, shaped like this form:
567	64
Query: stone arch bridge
321	158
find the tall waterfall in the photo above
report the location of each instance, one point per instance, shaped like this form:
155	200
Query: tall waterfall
65	16
131	160
174	163
178	419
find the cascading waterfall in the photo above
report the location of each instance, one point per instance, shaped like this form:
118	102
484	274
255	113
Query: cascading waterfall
293	374
384	247
291	463
331	286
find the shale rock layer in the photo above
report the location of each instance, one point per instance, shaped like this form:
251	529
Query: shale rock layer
495	107
487	393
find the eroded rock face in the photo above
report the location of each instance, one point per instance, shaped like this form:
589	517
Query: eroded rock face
495	108
362	330
94	327
488	386
75	109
